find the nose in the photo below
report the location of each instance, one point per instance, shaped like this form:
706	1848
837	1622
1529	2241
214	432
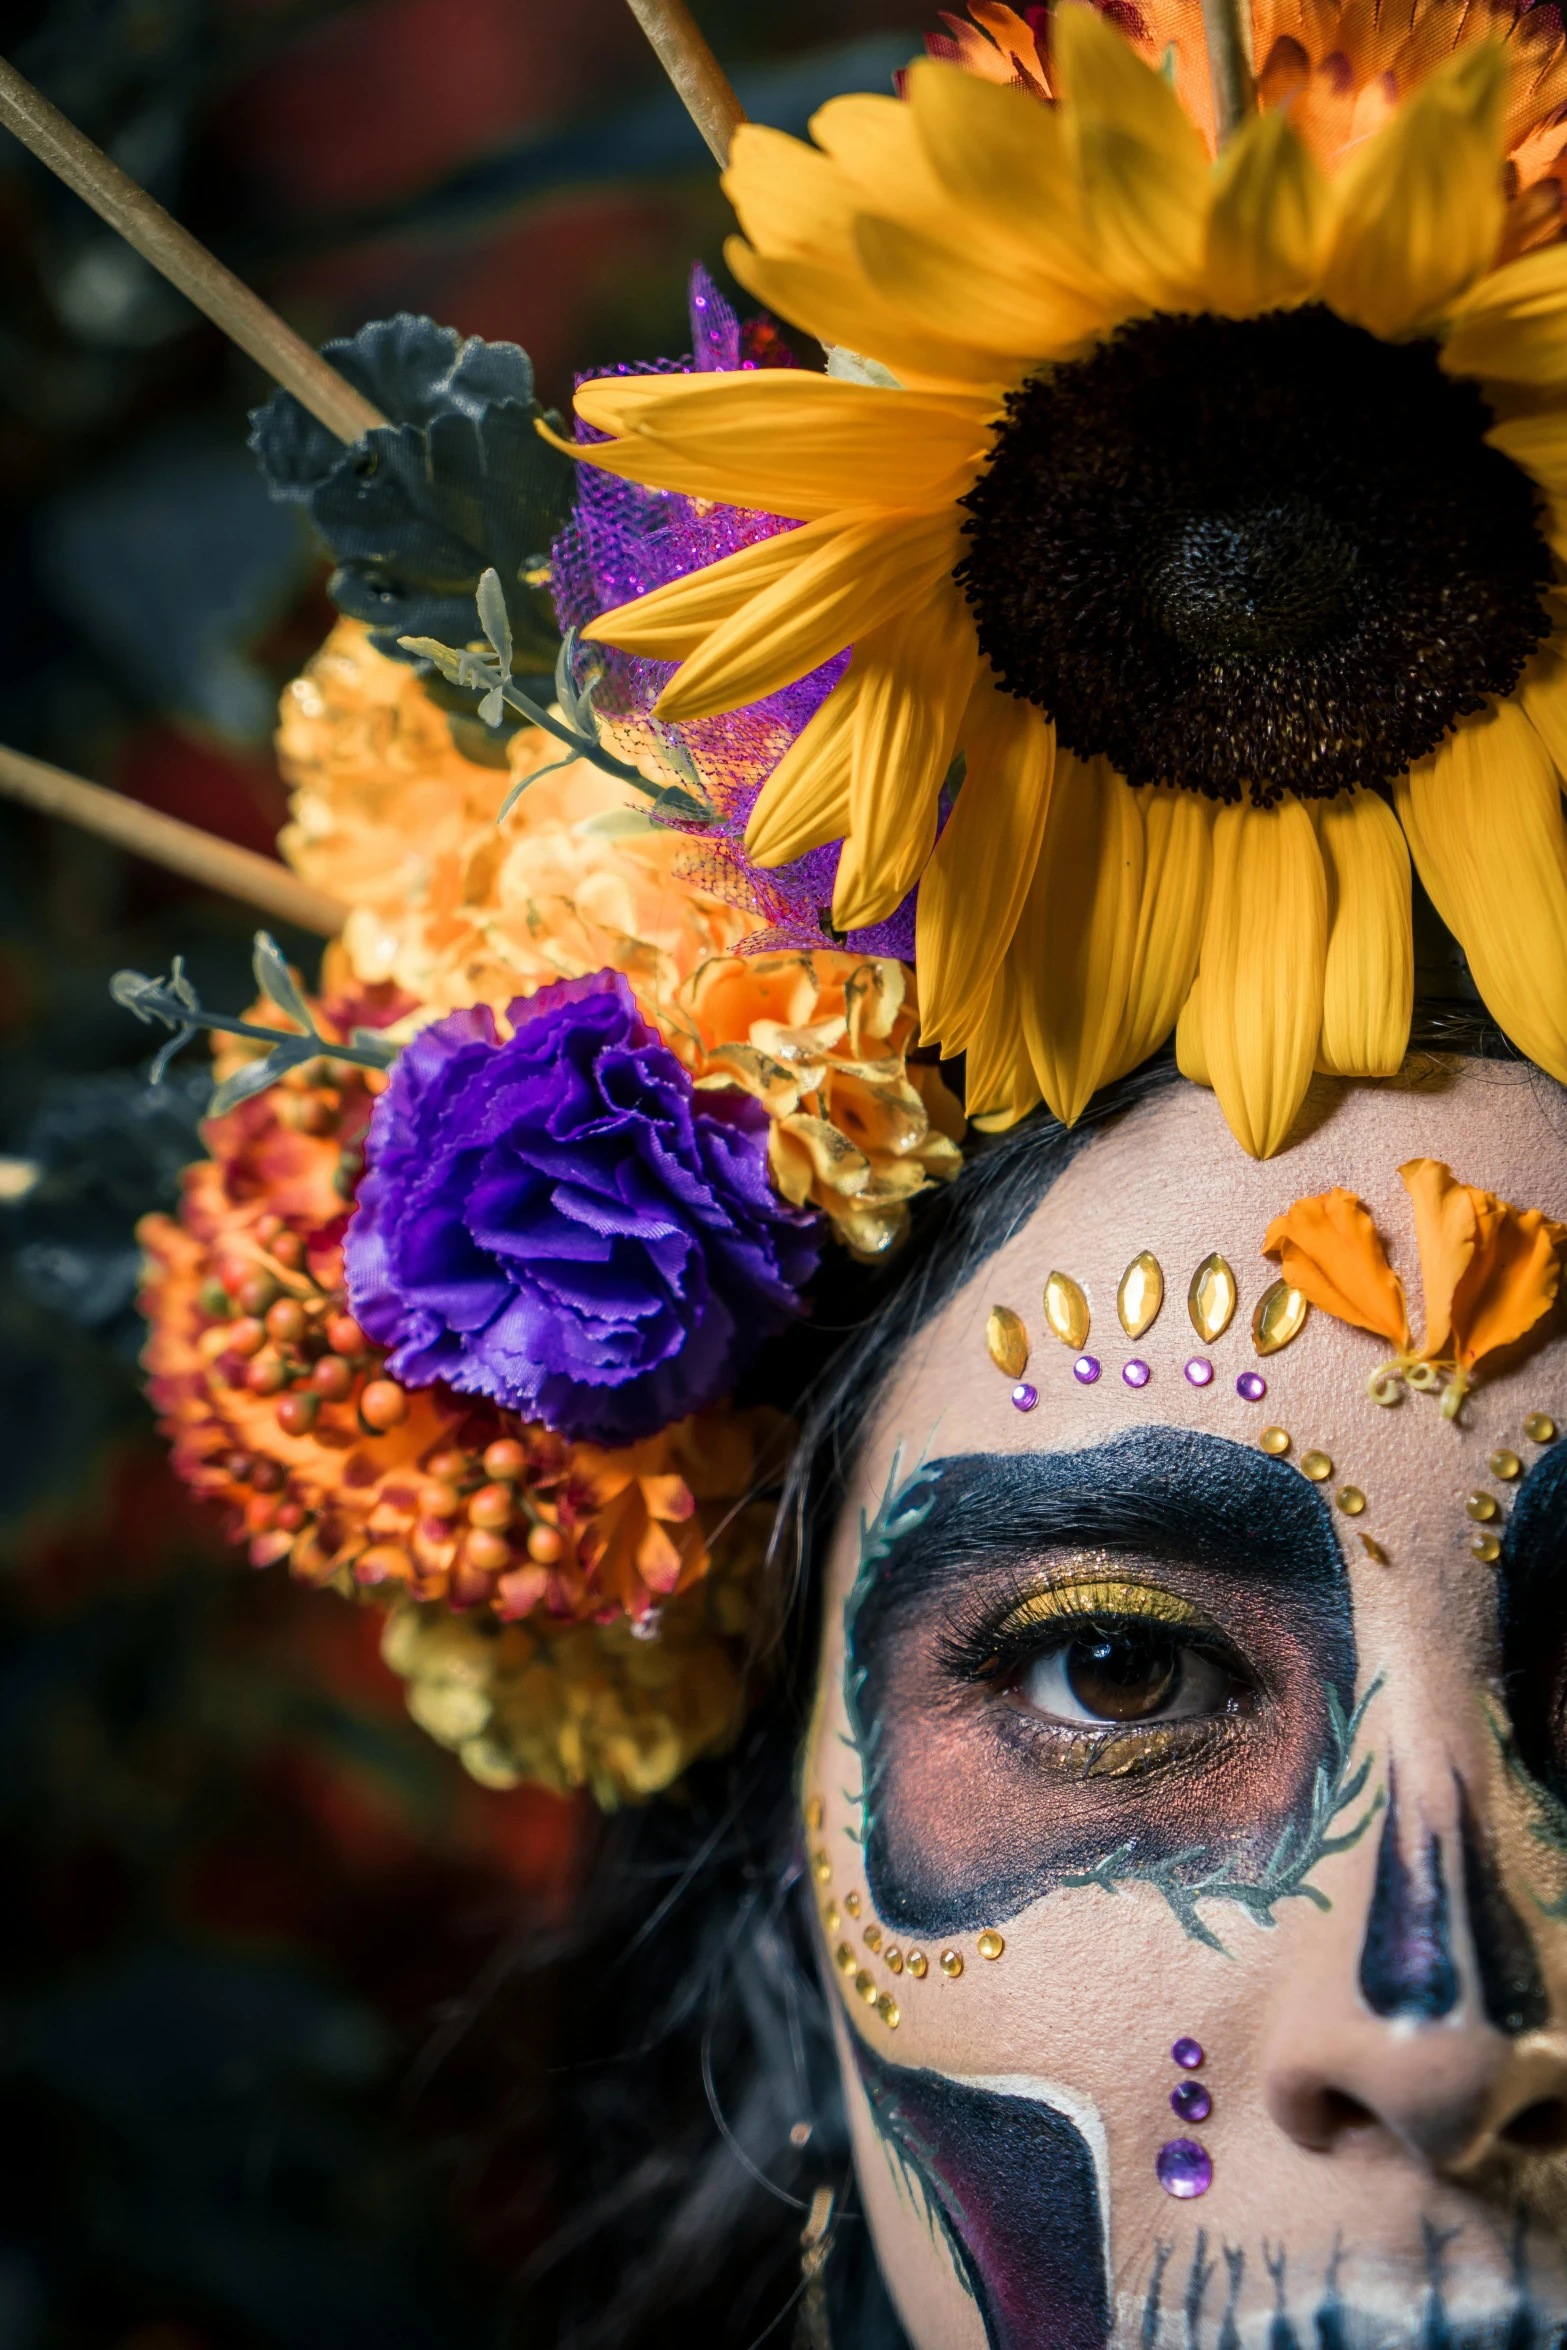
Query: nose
1427	2031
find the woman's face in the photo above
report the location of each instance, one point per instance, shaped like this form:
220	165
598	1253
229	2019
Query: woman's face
1186	1841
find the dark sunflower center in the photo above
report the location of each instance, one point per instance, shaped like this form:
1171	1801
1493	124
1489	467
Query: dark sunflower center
1254	555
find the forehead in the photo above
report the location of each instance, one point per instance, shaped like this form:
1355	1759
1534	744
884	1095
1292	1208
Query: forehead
1168	1179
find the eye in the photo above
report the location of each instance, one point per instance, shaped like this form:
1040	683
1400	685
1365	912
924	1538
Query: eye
1119	1673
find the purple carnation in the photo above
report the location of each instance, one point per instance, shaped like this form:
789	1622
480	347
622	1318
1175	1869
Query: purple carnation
554	1222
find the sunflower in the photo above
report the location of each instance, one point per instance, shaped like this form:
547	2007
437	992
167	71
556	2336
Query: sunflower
1193	519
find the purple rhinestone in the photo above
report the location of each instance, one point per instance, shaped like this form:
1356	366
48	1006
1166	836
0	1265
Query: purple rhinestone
1190	2101
1025	1395
1200	1371
1187	2054
1252	1385
1185	2169
1136	1373
1086	1370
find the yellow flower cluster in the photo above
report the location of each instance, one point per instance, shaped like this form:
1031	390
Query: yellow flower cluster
601	1706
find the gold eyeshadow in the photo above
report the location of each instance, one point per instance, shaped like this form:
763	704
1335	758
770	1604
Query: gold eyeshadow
1098	1595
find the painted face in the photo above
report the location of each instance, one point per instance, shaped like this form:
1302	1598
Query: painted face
1184	1795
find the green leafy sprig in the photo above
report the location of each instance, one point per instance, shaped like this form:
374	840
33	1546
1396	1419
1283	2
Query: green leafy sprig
490	675
175	1002
1339	1783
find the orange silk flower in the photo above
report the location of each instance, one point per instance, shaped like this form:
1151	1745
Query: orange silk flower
1490	1271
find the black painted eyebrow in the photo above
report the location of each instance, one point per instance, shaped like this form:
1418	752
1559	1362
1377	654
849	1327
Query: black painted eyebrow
1169	1493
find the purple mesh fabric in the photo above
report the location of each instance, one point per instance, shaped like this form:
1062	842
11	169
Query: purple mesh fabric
622	541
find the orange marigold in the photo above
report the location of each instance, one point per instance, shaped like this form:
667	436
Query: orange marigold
453	907
822	1041
278	1407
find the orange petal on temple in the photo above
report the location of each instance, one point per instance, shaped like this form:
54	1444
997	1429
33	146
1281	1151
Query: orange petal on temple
1329	1249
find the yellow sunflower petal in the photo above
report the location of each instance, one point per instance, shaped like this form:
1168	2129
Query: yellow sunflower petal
953	287
1177	856
1078	933
1483	816
998	153
791	201
1420	209
841	589
875	144
1000	1085
1270	223
918	673
1191	1057
1264	948
972	891
1369	984
1543	694
672	621
805	801
1538	444
784	441
840	306
1513	324
1141	164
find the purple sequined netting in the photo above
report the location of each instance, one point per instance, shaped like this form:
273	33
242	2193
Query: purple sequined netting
622	541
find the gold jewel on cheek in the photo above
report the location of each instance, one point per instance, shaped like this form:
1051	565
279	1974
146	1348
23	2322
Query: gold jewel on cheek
1540	1428
1506	1465
1066	1310
814	1814
1141	1294
851	1902
1350	1500
1006	1341
952	1963
1275	1440
990	1944
919	1965
1316	1466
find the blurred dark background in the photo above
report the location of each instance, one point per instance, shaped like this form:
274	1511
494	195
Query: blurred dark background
253	2085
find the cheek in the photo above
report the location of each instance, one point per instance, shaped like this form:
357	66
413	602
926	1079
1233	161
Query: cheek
974	1810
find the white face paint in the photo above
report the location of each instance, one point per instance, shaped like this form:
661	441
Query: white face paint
1134	1698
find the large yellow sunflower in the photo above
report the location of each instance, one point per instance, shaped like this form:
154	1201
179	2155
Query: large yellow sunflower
1205	509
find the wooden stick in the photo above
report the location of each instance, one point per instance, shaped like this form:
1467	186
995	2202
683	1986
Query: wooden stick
1229	65
694	70
158	238
218	864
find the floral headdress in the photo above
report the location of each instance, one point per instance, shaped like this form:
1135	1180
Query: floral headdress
1164	559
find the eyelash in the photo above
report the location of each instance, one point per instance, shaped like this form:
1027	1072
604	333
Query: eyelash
989	1651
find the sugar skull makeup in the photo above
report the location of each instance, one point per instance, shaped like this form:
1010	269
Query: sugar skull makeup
1188	1781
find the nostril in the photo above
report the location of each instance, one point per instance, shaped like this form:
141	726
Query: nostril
1540	2128
1338	2114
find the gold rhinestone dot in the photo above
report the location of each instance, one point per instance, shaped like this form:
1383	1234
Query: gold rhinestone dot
919	1965
1487	1549
893	1958
1506	1465
1274	1440
821	1867
1373	1550
845	1958
832	1917
1316	1466
814	1814
1350	1500
865	1987
1482	1506
990	1943
887	2009
851	1902
952	1962
1540	1428
872	1937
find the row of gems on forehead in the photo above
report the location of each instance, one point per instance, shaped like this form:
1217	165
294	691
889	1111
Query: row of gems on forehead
1211	1300
849	1962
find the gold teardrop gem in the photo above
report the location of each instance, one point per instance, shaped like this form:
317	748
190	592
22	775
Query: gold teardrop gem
1066	1310
1007	1341
1211	1300
1373	1549
1141	1294
1280	1316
